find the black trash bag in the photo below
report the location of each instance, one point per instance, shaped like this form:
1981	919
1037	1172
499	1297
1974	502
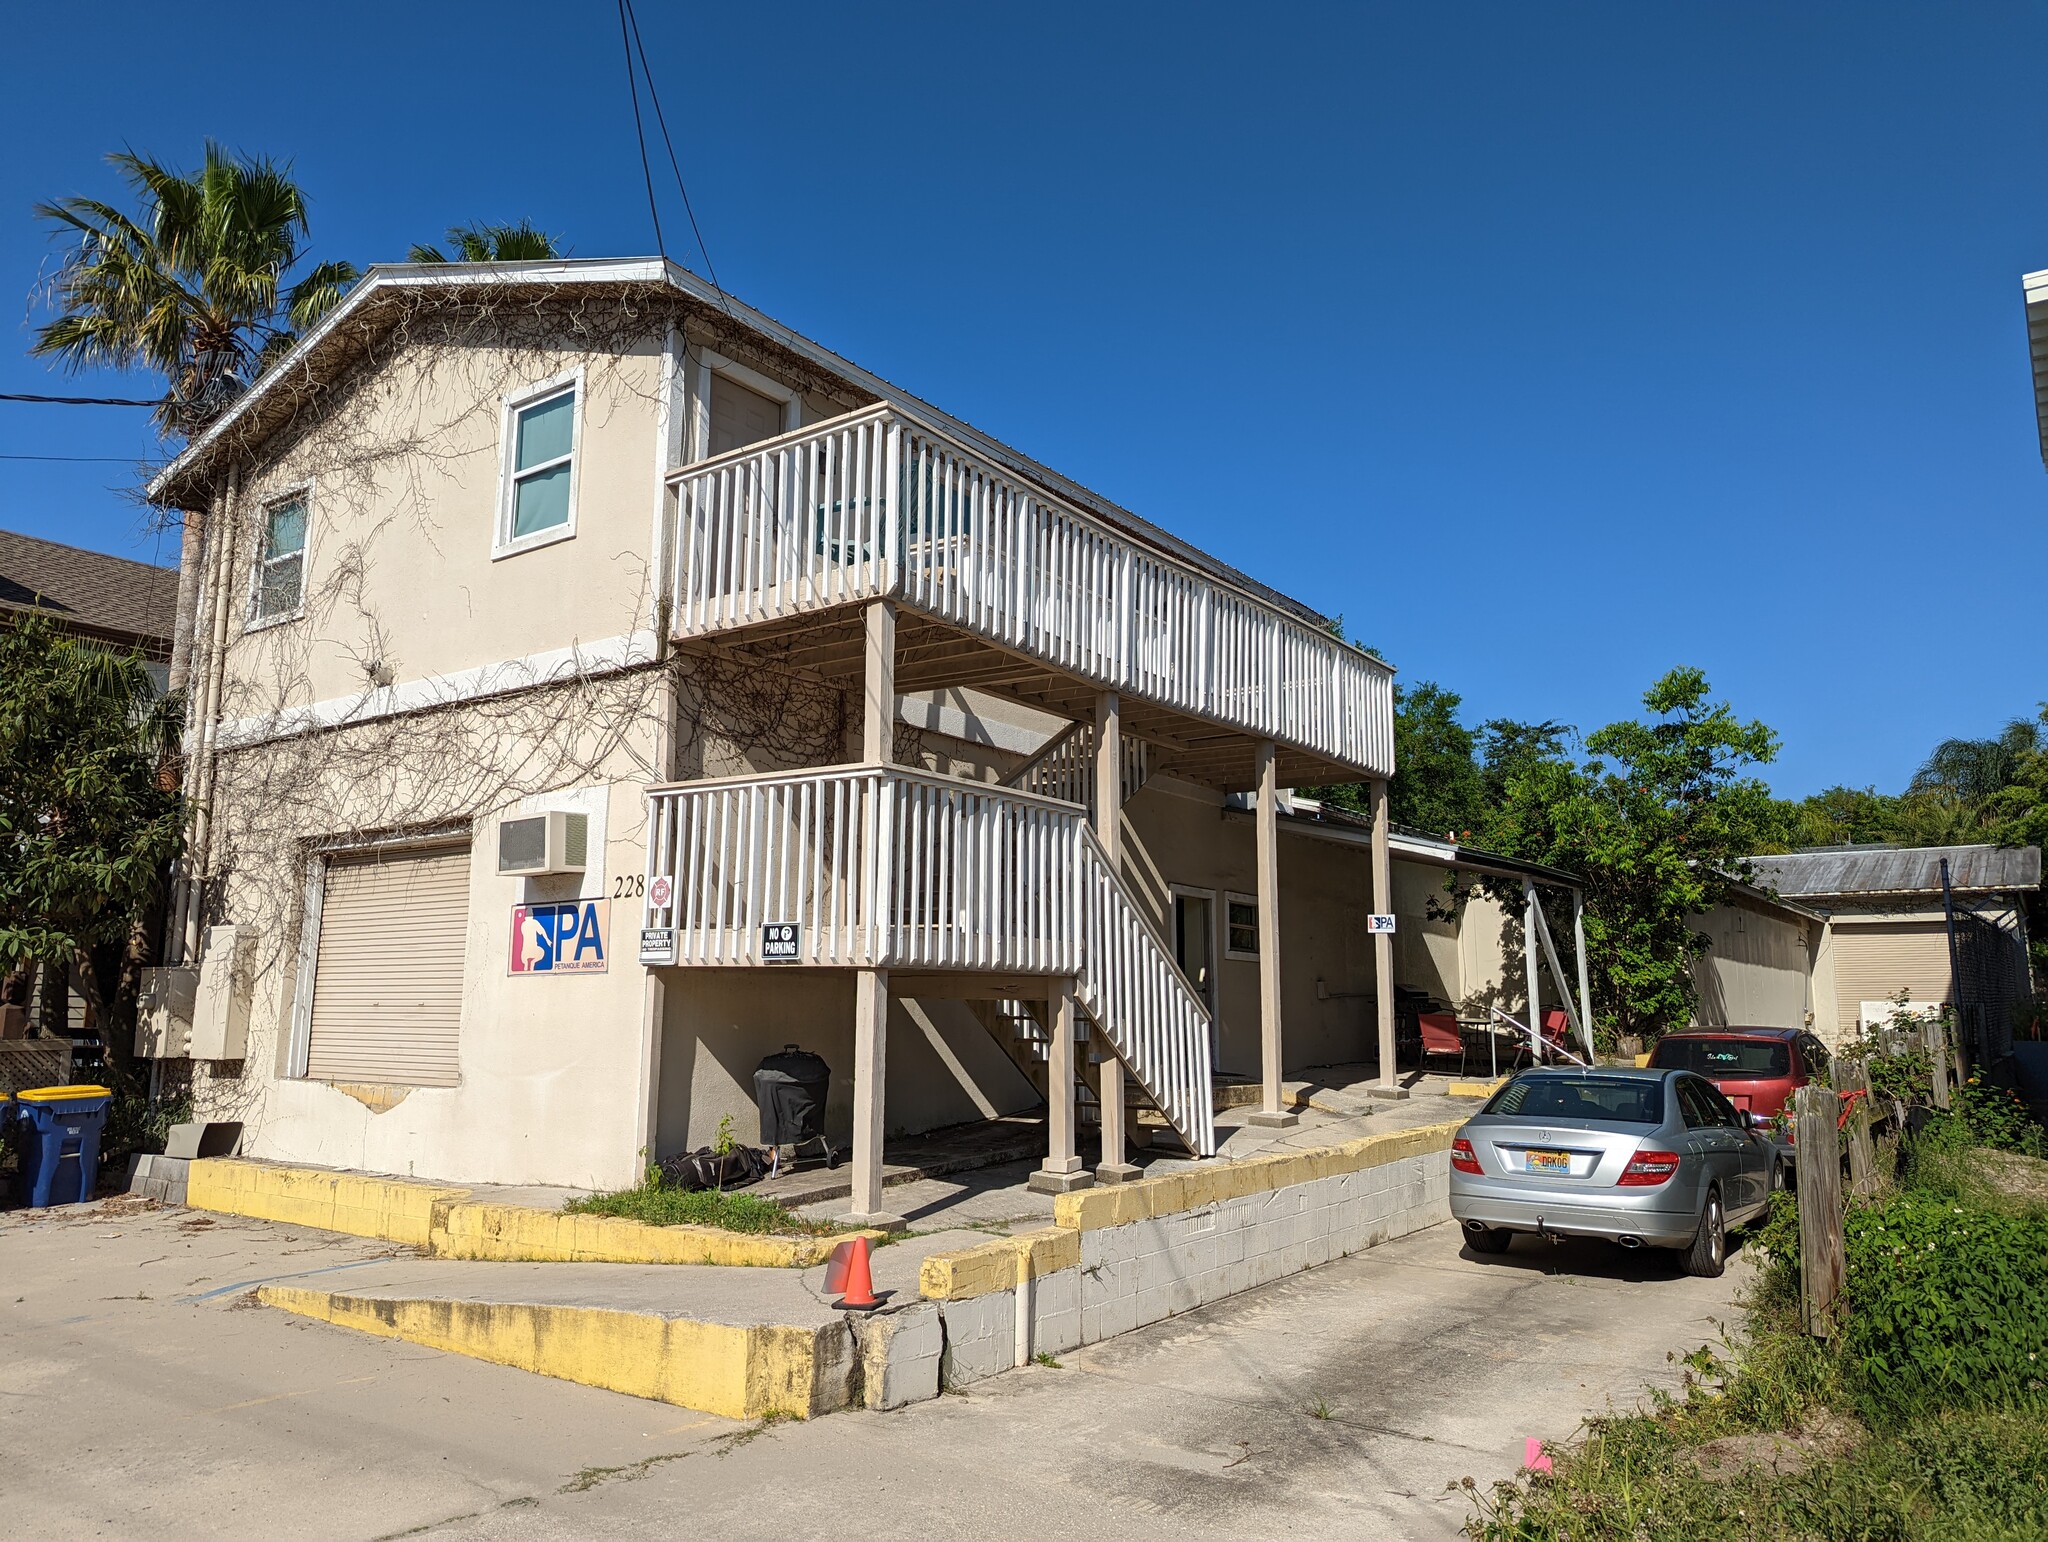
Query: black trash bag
706	1169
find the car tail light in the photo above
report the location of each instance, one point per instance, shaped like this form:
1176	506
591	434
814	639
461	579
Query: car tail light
1646	1169
1462	1159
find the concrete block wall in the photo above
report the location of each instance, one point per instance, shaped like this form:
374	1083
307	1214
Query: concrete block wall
1079	1283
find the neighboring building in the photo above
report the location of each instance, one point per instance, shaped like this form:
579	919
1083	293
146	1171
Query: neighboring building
90	594
110	600
1762	967
1888	930
575	614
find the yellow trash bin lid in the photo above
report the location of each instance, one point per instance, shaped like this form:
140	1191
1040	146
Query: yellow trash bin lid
60	1094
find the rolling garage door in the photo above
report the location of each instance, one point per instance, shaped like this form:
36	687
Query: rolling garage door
387	982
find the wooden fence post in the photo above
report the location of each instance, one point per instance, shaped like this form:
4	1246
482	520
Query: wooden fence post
1936	1042
1855	1078
1820	1207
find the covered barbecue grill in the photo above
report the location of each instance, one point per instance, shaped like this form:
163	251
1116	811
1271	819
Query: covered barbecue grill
790	1089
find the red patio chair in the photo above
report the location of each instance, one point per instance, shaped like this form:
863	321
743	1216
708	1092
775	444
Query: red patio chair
1440	1036
1556	1026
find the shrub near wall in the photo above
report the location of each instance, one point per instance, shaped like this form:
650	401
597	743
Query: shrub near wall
1948	1307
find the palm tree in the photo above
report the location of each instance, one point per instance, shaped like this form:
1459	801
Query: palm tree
491	243
1969	771
195	285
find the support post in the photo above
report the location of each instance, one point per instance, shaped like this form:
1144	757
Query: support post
1270	1112
1062	1172
878	687
1532	961
1585	972
1820	1206
870	1072
1388	1084
1109	801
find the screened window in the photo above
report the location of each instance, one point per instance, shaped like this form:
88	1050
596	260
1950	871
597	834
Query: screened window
281	564
543	465
1241	927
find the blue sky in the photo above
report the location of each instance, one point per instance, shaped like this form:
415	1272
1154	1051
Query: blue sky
1550	345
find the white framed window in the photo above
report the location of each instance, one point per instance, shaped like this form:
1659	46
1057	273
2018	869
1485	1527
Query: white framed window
277	590
543	428
1240	926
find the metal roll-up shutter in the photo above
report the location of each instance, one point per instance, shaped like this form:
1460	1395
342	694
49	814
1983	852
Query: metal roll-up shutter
1875	961
387	983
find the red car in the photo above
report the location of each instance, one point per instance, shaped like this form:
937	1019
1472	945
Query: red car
1757	1069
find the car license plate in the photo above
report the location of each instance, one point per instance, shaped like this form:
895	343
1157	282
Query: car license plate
1548	1161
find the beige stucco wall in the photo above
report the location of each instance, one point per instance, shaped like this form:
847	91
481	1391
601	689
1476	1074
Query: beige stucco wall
1185	836
402	478
1757	970
550	1066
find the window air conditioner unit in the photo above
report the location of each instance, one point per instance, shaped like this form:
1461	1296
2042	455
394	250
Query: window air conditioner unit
539	844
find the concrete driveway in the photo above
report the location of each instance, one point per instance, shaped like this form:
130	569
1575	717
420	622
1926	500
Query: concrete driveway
146	1398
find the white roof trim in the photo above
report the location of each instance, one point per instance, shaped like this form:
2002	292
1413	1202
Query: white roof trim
649	270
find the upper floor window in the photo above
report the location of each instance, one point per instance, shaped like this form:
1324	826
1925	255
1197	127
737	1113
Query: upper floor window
281	564
540	468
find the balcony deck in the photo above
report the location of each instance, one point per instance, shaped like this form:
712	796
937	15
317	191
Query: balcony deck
1003	586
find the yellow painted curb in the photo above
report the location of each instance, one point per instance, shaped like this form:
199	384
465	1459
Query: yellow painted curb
1475	1089
718	1368
393	1209
435	1218
1123	1203
519	1233
998	1265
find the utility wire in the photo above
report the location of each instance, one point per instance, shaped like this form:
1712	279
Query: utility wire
78	401
111	460
640	132
661	121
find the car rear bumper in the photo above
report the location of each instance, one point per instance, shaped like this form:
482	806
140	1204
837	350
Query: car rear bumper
1623	1217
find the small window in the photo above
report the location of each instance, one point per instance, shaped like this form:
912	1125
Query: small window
541	469
281	564
1241	927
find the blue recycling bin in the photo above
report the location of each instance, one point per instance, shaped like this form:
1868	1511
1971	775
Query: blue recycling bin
58	1129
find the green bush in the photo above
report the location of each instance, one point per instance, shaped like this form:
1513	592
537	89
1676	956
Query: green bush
1948	1307
1997	1117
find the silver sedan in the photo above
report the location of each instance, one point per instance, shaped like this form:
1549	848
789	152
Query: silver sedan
1645	1158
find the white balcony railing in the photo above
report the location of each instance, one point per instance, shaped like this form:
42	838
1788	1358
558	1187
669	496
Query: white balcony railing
880	504
881	867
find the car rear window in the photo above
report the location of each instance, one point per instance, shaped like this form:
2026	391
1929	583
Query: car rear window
1602	1099
1718	1059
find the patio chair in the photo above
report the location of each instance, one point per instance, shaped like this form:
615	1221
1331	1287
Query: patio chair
1441	1036
1556	1026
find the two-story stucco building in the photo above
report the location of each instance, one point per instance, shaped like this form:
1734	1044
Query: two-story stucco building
864	731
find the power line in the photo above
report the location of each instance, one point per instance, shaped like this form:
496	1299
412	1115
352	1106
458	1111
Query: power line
111	460
646	172
79	401
661	121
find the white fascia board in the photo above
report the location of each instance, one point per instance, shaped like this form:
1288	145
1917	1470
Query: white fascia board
556	665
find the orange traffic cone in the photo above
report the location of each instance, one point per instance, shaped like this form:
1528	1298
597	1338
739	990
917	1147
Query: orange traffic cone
848	1277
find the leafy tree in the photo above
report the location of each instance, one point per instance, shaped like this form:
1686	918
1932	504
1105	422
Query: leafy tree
1657	820
1438	787
87	824
195	285
1510	750
522	242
